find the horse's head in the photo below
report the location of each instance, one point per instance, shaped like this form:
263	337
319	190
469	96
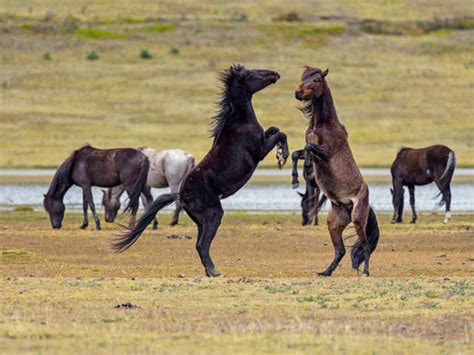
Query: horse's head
251	80
55	208
111	205
308	203
312	84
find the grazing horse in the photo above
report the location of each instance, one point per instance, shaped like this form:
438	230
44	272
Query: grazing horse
310	202
88	167
167	168
240	143
336	171
420	167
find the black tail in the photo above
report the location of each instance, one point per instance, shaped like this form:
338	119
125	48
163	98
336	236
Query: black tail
138	187
372	231
445	179
126	241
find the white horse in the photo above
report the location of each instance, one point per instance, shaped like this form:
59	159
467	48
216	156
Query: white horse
167	169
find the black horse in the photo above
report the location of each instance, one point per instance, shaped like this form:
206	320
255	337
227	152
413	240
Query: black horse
88	167
240	143
310	202
421	167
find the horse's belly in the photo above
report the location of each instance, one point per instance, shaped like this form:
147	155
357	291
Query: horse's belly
337	187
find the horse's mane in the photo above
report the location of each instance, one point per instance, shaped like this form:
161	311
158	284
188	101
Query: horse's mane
62	175
224	105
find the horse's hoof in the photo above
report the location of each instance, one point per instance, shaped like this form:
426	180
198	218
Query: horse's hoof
155	227
98	228
365	274
324	274
295	185
212	272
84	226
173	223
413	222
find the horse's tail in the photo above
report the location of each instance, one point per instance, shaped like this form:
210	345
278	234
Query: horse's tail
445	179
138	186
372	231
128	239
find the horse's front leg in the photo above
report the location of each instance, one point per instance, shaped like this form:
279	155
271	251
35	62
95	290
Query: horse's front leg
320	151
85	221
88	193
280	140
295	156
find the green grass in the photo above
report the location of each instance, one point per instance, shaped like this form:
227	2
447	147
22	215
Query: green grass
390	91
97	33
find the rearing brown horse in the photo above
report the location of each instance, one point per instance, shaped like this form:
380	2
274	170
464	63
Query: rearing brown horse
337	173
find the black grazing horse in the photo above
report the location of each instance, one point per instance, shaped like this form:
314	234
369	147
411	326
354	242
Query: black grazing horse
88	167
240	143
310	202
420	167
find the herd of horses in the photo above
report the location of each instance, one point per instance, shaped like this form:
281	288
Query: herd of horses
330	171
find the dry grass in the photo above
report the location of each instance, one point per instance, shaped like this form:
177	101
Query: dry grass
60	288
390	91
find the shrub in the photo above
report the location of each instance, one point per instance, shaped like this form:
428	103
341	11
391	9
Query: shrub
93	55
242	17
174	50
145	54
288	17
47	56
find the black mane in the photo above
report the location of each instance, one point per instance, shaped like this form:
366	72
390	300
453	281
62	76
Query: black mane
225	107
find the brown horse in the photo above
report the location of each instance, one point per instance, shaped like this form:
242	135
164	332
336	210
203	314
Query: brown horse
240	143
310	202
337	173
421	167
88	167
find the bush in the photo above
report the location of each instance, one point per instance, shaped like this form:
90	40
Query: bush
242	17
174	50
288	17
145	54
47	56
93	55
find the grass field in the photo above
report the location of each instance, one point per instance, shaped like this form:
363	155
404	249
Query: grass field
65	289
404	78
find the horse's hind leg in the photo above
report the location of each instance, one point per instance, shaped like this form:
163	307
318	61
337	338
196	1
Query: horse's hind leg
85	221
178	208
338	219
88	193
208	221
360	214
146	201
411	189
447	200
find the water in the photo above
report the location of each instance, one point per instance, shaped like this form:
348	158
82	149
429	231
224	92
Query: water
262	197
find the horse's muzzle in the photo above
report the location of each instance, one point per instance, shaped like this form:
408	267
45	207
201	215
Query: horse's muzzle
299	95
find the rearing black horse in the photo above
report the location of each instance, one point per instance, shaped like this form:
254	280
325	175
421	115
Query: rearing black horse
240	143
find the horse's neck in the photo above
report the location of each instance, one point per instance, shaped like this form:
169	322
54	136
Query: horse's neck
323	110
245	110
60	190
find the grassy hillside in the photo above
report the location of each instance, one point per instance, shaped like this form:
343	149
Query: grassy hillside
401	73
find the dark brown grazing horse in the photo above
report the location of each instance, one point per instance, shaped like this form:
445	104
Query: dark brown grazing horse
421	167
337	173
310	202
240	143
88	167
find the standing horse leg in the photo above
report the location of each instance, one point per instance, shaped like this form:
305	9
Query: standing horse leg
85	221
88	193
178	208
134	209
338	219
360	214
411	189
146	201
210	221
447	200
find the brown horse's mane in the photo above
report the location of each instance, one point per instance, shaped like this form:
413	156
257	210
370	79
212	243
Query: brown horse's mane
224	105
62	176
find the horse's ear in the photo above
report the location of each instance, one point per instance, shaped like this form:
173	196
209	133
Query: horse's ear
44	195
103	191
235	70
391	191
325	72
299	193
